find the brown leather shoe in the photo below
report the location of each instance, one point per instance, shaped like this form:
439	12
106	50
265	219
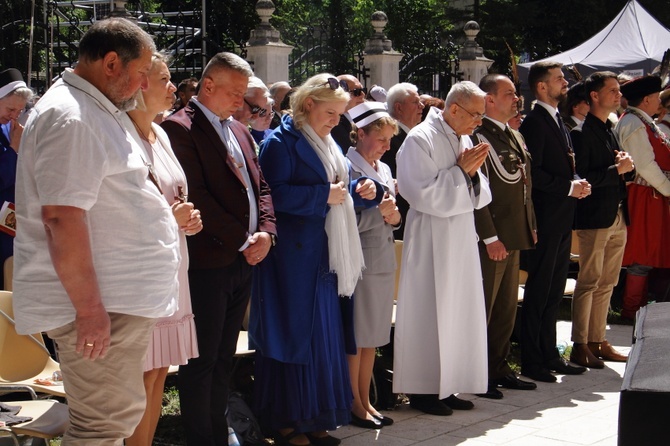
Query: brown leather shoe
582	355
606	352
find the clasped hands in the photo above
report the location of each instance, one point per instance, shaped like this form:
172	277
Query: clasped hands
338	191
389	210
580	189
623	162
472	159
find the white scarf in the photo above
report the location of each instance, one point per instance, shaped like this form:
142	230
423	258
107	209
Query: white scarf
344	245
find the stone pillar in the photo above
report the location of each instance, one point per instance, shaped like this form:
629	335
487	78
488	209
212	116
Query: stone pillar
118	9
382	61
472	62
265	50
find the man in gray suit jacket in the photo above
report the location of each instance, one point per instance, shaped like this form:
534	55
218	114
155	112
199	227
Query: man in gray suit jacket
505	226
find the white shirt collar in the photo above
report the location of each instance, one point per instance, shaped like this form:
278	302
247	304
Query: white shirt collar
501	125
551	109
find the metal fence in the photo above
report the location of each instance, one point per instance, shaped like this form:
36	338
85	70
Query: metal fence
43	39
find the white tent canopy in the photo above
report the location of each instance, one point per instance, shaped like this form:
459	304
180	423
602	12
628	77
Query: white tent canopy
633	42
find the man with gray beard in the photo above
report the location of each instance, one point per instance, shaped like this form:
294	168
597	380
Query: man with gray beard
97	254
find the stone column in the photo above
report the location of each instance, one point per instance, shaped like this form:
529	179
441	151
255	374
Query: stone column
265	50
472	62
380	57
118	9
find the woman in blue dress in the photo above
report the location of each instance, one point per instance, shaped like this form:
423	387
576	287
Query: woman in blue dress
296	324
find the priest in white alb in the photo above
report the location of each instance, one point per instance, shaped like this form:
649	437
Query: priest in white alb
440	335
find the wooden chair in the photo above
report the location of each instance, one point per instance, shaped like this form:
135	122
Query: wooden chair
50	419
8	272
24	358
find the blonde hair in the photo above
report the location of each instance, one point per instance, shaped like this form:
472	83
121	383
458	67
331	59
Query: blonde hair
317	88
157	56
374	125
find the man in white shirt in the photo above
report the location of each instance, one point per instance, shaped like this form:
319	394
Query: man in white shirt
97	255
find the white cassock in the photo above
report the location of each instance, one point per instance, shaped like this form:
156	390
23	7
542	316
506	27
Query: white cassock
440	334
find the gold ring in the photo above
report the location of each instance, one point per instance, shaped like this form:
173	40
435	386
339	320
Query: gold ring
89	345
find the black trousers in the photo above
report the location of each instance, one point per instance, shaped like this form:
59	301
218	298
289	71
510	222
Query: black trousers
219	298
547	272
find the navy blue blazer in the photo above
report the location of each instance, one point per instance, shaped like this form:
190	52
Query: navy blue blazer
552	172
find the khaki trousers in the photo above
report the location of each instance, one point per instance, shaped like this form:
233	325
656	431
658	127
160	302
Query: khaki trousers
105	397
600	256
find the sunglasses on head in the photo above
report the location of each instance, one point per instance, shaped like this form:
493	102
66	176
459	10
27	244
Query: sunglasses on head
334	84
359	91
255	109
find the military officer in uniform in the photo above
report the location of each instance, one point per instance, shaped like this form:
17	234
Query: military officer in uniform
505	226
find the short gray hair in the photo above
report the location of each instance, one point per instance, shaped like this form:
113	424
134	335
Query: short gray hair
254	84
277	85
398	93
227	61
462	92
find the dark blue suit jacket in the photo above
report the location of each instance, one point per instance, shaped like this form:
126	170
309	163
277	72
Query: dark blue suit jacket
552	172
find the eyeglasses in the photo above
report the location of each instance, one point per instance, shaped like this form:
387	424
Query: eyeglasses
334	84
359	91
255	109
475	116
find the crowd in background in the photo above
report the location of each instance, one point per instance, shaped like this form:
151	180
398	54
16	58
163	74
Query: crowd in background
151	217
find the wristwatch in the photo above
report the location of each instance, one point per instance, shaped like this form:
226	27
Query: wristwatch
273	239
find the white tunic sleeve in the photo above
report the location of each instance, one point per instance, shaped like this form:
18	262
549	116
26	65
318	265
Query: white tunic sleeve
430	180
635	140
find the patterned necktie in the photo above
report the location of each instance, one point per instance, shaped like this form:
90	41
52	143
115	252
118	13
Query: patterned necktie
568	146
564	132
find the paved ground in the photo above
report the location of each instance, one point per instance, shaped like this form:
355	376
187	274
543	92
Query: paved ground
577	410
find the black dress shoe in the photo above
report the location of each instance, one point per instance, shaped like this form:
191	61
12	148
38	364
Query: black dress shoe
538	374
456	403
561	366
364	423
492	393
429	404
511	381
323	441
386	421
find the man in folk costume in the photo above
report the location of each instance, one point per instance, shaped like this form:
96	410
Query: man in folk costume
441	317
648	244
505	226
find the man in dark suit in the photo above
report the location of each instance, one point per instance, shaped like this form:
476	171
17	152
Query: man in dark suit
341	133
217	154
404	105
600	221
556	188
504	227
